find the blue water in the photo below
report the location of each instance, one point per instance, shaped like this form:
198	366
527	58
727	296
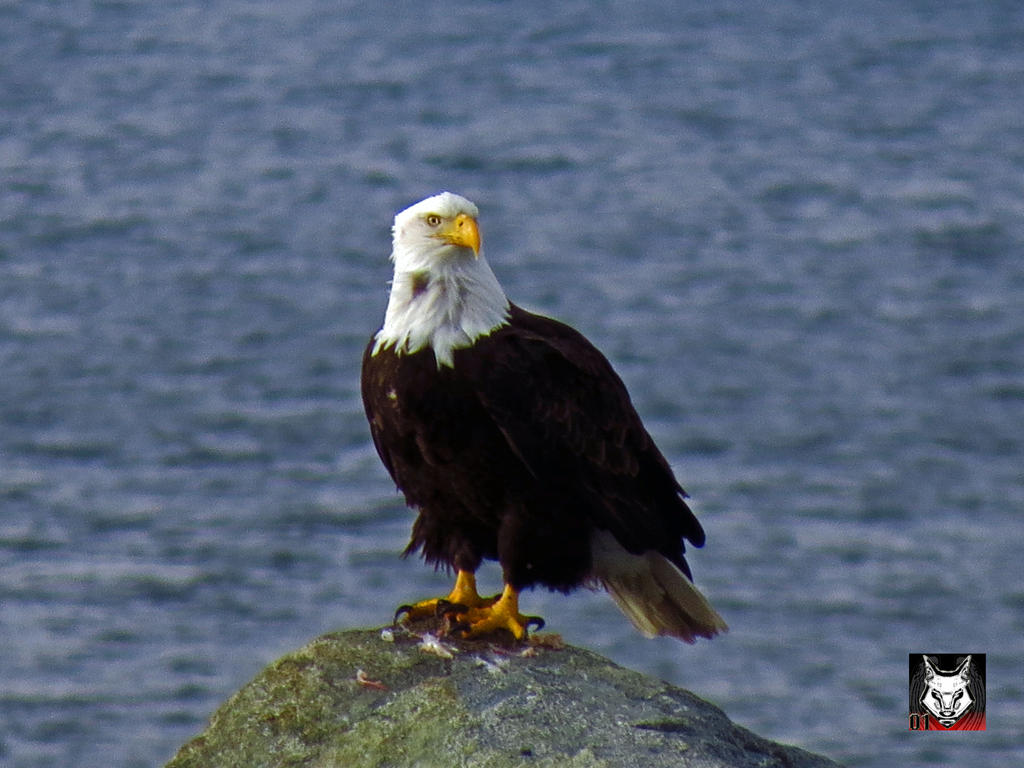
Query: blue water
796	228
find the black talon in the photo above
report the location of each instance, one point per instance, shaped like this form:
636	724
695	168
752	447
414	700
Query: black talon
444	607
453	625
402	611
535	621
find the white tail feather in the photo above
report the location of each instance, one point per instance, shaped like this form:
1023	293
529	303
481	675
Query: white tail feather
652	592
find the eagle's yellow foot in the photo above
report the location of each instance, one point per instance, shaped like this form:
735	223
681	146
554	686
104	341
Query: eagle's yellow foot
462	598
502	614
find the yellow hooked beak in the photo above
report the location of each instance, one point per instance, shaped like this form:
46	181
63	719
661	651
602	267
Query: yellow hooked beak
463	230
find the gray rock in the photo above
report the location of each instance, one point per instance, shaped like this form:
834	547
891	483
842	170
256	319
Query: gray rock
352	699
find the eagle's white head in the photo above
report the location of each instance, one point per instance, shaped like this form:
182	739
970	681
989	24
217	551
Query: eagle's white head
444	294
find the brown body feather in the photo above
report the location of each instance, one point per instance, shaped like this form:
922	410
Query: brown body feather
520	451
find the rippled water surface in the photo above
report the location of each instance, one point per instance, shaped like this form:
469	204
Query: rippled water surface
796	229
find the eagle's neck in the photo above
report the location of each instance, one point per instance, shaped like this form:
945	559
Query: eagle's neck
445	306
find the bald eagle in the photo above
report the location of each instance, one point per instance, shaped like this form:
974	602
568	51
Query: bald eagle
514	440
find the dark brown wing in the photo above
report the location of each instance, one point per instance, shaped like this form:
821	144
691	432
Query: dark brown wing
450	460
373	383
567	415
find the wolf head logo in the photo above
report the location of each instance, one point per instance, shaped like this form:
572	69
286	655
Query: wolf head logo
946	694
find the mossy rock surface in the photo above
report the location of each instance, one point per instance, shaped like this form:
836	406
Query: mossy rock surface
354	700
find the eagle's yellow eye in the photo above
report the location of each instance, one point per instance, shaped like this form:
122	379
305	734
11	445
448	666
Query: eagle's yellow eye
434	220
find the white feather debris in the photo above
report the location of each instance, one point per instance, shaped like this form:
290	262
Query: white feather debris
431	644
495	667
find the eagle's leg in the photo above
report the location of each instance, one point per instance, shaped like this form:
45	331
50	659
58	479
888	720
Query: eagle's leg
500	614
462	598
